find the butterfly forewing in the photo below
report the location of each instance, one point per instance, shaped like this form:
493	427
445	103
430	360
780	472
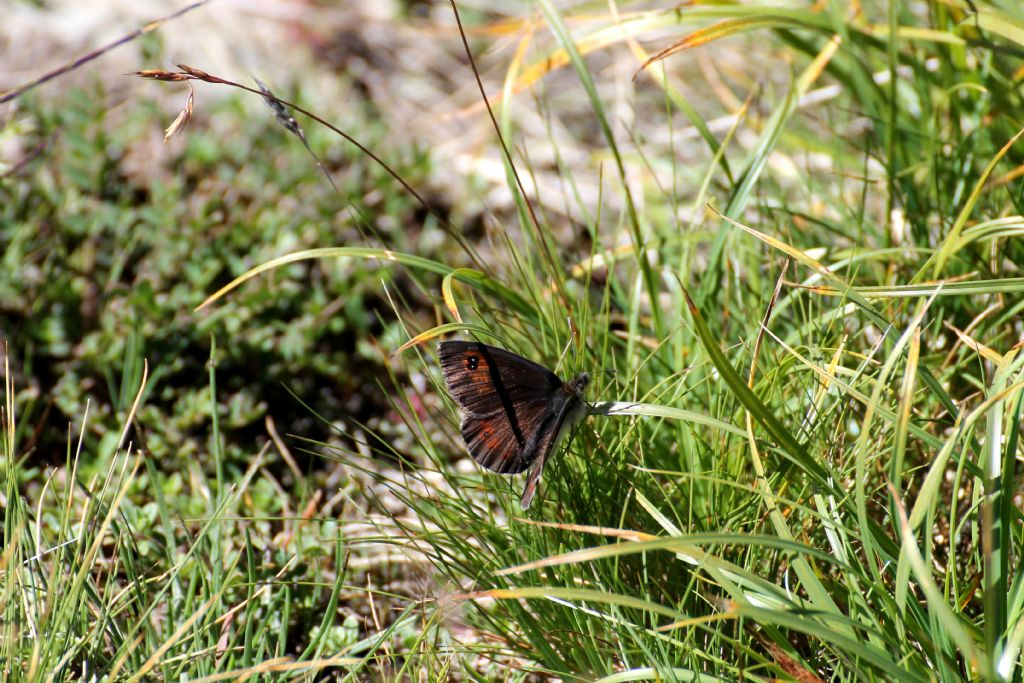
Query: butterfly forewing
506	400
515	409
484	379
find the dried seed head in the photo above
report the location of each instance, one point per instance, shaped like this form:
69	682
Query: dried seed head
280	111
196	73
162	75
182	117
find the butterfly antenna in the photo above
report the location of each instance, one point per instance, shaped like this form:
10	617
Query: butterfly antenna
564	351
574	333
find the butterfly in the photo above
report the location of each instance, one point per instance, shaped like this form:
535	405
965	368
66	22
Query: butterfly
514	410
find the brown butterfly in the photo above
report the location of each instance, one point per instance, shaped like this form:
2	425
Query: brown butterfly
515	410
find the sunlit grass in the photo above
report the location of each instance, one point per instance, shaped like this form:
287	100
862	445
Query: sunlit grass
802	462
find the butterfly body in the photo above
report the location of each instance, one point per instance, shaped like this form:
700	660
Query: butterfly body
514	410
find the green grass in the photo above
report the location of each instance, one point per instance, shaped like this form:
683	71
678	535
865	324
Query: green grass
814	482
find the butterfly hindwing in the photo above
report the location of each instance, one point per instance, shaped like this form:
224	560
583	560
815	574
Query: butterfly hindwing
547	438
502	445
